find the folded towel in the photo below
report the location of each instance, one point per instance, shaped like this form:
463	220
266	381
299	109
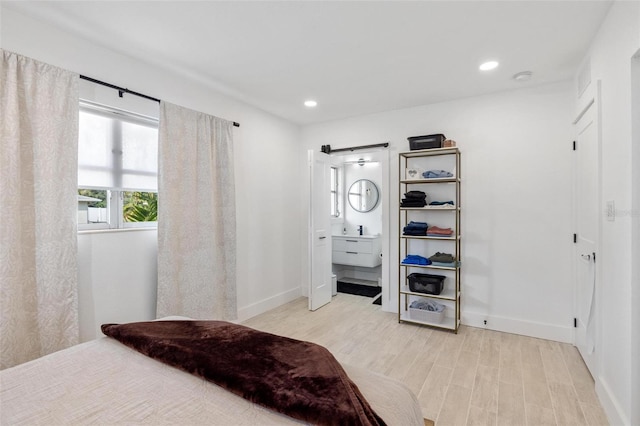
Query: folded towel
441	203
415	195
413	203
414	259
431	174
413	224
442	257
417	225
434	231
416	229
415	233
434	228
445	264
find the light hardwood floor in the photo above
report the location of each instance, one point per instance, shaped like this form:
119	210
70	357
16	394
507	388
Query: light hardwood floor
475	377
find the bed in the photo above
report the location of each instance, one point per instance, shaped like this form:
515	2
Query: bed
105	382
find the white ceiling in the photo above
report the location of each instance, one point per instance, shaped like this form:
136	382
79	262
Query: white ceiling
353	57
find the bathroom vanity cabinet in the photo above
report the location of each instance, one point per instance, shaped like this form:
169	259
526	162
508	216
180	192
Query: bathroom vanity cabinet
357	250
412	166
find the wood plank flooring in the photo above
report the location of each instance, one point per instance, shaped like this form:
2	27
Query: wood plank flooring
477	377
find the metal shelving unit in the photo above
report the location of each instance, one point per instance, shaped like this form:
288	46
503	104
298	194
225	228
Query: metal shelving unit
424	245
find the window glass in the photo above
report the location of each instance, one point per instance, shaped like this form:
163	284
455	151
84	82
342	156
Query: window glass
95	145
139	156
93	206
117	169
140	206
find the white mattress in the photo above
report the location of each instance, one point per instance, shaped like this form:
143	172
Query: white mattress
104	382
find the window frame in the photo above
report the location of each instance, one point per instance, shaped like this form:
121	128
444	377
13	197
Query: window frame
115	196
333	190
339	191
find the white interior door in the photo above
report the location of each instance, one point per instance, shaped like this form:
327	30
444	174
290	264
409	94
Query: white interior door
320	231
586	190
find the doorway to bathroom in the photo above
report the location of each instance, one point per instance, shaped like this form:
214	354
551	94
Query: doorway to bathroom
359	198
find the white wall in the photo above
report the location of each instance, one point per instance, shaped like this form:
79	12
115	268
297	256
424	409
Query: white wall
611	56
267	155
635	249
516	170
371	221
117	272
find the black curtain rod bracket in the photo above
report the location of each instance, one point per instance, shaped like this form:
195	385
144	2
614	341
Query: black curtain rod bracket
122	91
328	150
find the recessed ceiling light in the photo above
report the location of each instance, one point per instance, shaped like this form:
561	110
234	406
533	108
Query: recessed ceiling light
310	103
523	76
488	65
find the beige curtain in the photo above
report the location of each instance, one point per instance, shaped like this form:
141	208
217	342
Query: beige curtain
38	209
196	216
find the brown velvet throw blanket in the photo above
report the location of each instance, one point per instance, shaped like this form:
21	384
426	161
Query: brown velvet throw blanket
300	379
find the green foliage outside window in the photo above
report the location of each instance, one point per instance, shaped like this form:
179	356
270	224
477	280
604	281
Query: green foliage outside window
140	207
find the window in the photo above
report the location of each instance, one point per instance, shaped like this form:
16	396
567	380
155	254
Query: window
117	169
335	206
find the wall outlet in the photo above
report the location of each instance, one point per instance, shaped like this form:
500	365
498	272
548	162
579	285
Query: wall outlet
611	211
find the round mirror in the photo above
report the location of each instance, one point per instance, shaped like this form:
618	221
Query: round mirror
363	195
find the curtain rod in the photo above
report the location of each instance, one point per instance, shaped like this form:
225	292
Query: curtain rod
327	148
122	90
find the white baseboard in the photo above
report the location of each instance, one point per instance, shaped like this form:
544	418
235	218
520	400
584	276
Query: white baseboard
246	312
526	328
610	404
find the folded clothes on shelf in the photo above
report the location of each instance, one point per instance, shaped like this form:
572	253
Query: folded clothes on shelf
427	305
416	229
417	225
434	231
414	259
432	174
442	258
441	203
414	199
419	195
445	264
414	233
413	203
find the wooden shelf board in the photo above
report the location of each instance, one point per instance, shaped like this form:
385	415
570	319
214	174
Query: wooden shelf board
419	237
430	152
430	208
445	295
443	268
448	323
452	179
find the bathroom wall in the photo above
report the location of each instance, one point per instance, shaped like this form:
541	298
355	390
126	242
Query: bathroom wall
371	221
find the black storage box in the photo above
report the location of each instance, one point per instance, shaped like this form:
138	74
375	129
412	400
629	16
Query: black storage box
426	141
426	283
